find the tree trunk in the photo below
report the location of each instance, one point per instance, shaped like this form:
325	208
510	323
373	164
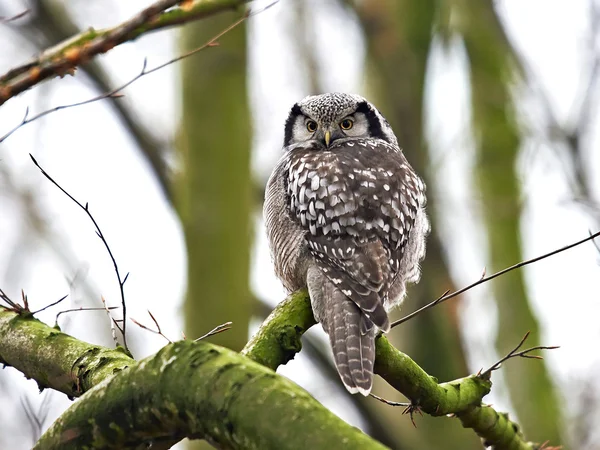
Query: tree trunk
214	184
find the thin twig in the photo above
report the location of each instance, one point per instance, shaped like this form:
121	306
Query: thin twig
545	446
115	93
68	56
15	17
113	322
410	410
36	419
158	331
594	242
514	353
50	305
81	308
25	300
102	238
389	402
483	279
14	306
26	119
216	330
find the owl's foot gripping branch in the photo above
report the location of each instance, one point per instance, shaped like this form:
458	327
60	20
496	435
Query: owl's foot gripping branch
199	390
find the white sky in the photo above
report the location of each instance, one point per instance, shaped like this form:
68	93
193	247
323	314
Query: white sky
89	153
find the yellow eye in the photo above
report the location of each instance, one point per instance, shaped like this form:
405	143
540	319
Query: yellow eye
346	124
311	126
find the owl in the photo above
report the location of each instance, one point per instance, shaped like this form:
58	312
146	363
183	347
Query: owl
345	217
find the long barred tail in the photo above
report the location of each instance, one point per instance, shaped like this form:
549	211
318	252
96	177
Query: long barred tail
352	334
353	351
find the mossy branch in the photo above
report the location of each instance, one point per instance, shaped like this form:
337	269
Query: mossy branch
187	389
63	58
200	390
236	400
462	397
55	359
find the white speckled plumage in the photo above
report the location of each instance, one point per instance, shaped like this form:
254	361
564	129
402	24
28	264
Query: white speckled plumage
345	217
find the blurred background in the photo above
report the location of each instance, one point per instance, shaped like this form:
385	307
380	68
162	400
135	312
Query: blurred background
495	103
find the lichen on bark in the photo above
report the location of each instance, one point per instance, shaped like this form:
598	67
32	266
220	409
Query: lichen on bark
197	389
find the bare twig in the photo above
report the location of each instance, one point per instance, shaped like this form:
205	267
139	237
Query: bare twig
15	17
25	300
68	55
514	353
216	330
594	242
81	308
116	93
26	119
545	446
120	280
389	402
37	418
158	331
410	410
50	305
484	279
113	322
14	306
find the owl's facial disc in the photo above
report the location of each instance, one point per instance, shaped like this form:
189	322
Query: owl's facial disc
304	128
325	119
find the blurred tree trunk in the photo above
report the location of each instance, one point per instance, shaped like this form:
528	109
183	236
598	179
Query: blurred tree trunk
213	188
497	136
398	35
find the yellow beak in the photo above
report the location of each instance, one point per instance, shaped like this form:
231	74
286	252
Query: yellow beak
327	138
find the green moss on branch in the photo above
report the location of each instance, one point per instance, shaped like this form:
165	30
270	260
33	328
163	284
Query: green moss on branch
186	390
77	50
434	398
462	397
495	429
55	359
280	336
201	390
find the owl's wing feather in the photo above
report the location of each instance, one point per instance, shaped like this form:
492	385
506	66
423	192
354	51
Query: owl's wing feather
366	299
357	202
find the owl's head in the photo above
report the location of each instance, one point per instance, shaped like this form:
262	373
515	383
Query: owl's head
335	117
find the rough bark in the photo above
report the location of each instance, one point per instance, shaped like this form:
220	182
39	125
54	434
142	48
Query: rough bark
77	50
55	359
280	337
200	390
461	397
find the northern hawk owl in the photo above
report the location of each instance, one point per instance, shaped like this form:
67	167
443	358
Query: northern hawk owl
345	217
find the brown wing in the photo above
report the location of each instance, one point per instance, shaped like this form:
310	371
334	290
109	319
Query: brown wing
357	202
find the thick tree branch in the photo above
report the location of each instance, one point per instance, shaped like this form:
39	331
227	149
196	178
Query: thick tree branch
282	331
200	390
54	359
196	389
66	56
188	389
280	335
